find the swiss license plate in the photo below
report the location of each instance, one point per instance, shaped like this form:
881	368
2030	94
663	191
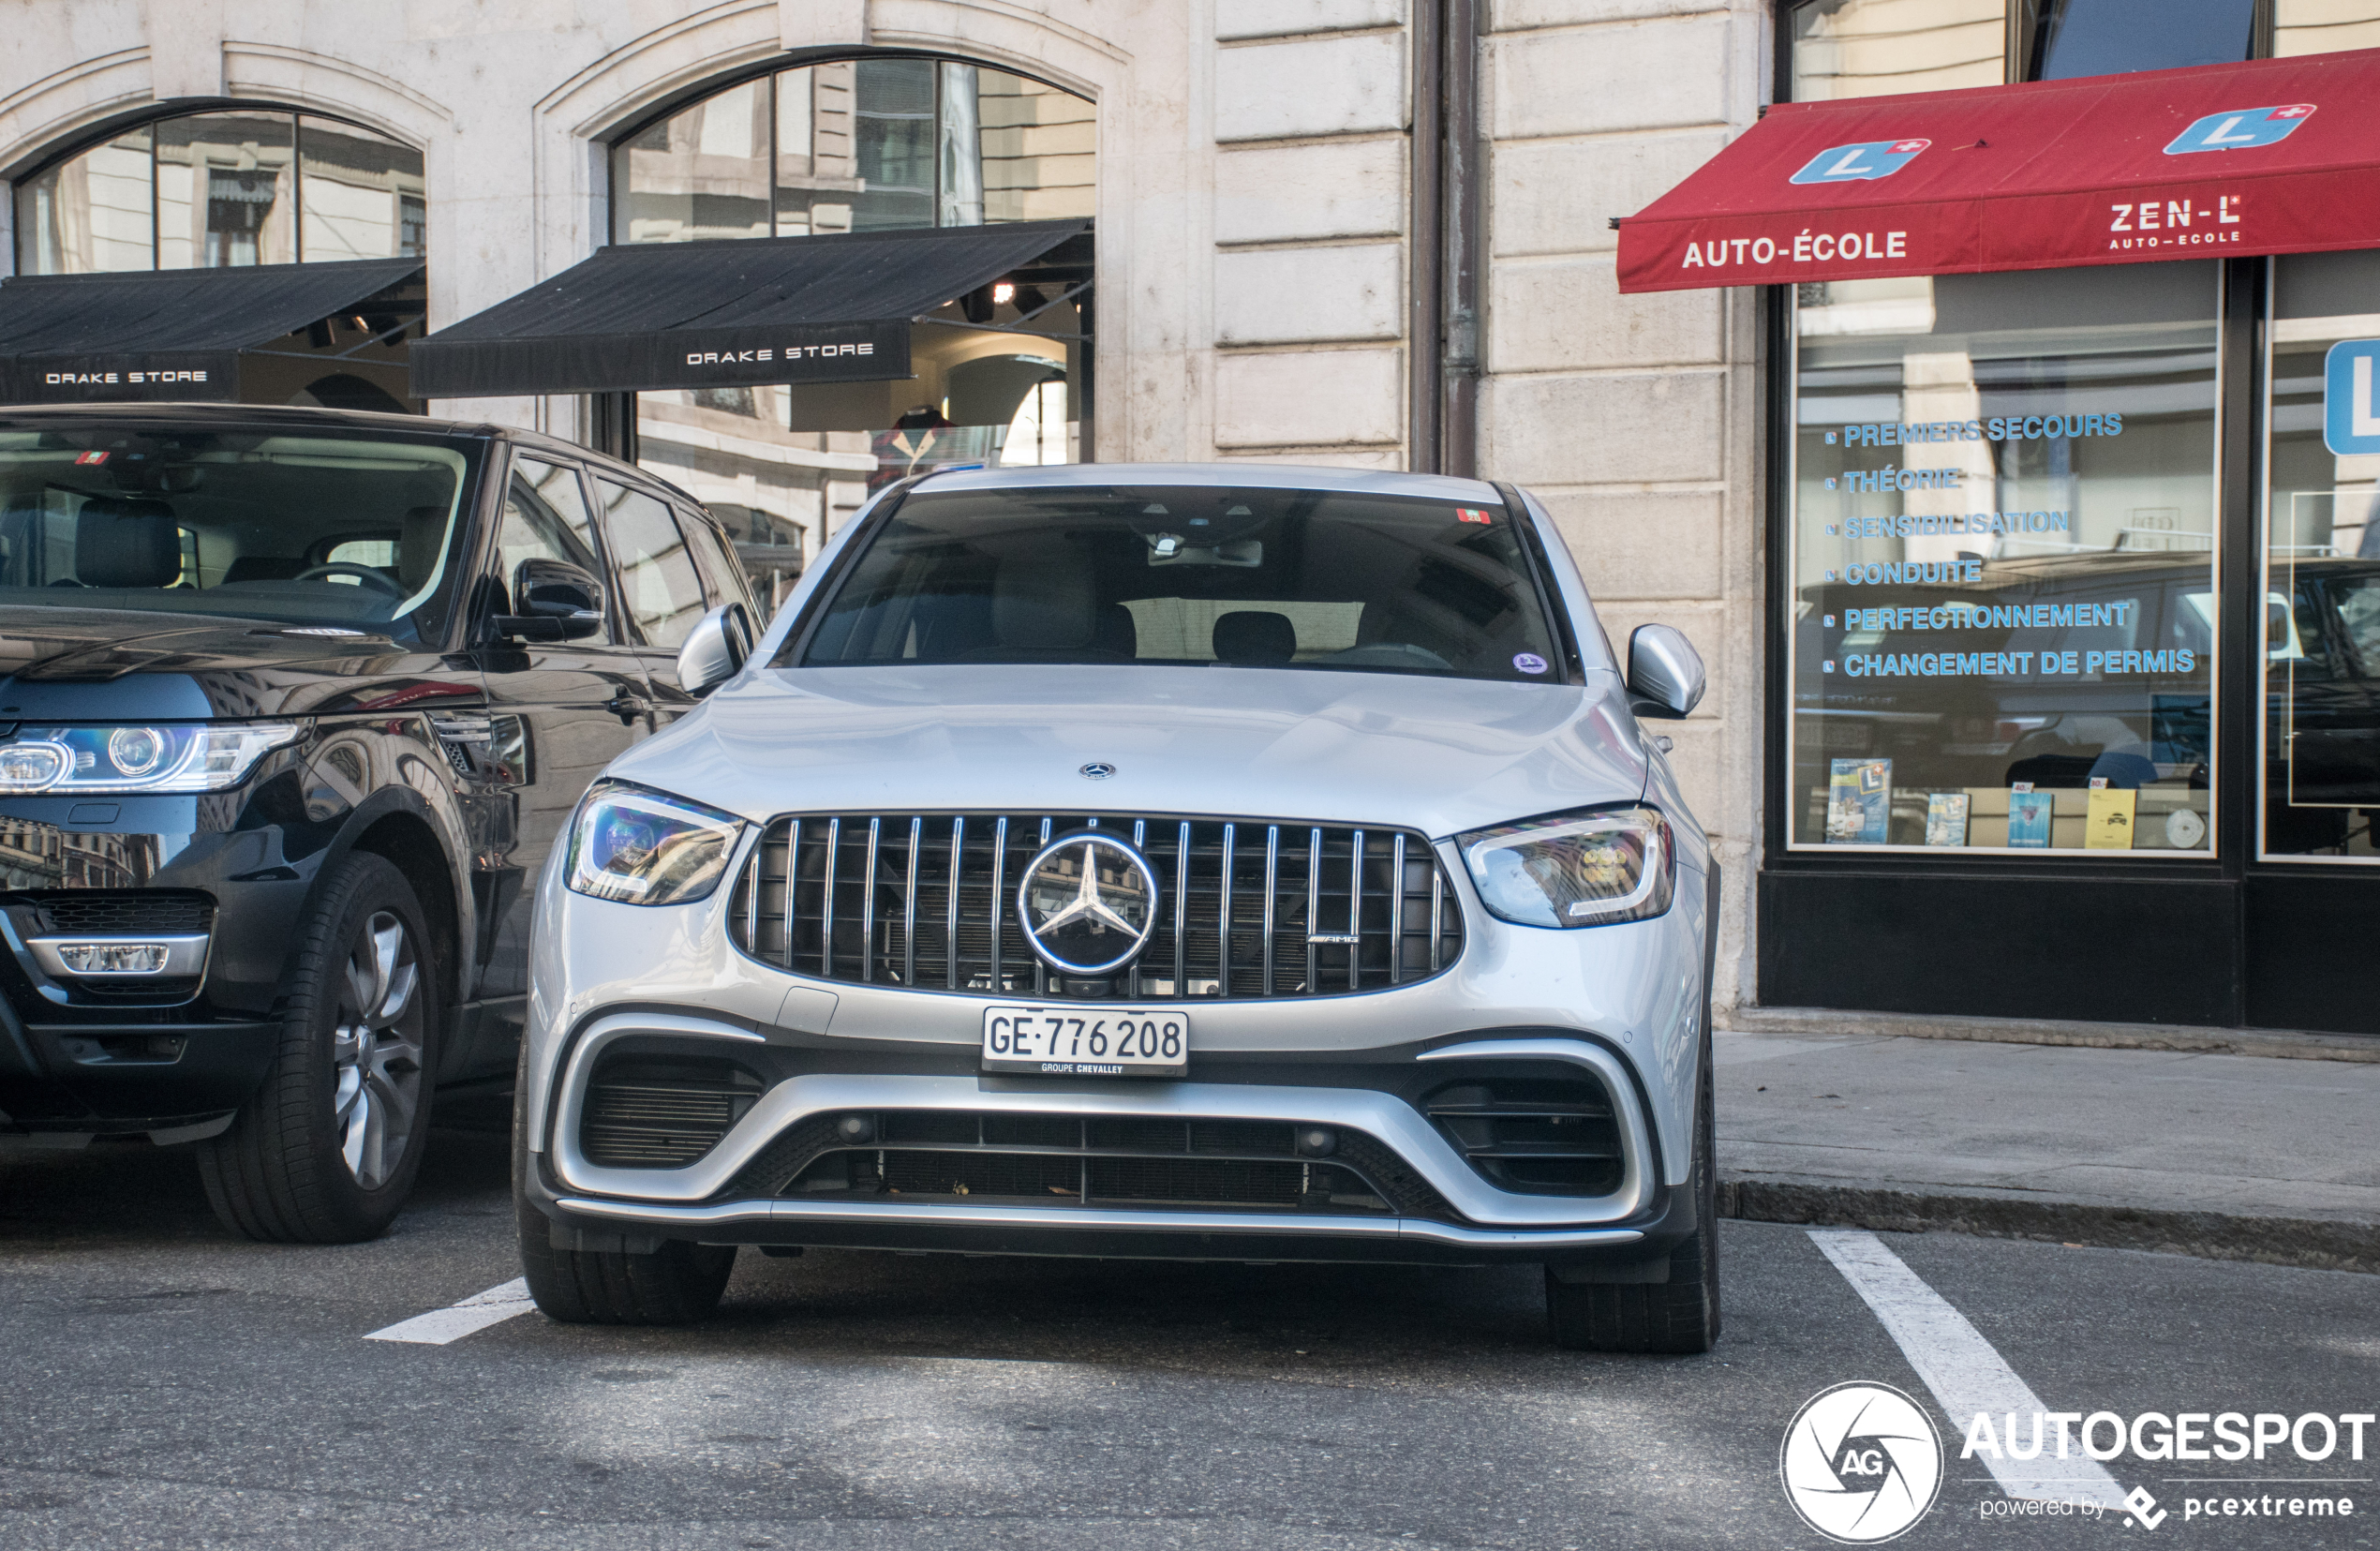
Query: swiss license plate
1079	1041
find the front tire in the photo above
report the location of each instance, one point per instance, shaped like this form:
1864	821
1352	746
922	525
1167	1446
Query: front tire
679	1284
328	1149
1678	1317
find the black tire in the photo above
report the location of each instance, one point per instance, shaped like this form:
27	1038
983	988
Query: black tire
679	1284
1678	1317
327	1150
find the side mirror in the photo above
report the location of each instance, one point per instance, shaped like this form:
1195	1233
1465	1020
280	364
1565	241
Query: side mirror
556	601
1664	672
715	650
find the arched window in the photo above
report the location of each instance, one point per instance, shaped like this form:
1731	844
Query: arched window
857	146
854	146
223	188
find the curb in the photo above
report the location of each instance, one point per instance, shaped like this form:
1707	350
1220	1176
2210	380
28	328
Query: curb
2319	1243
2016	1031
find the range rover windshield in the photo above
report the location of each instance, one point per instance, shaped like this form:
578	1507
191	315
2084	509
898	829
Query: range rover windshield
1187	575
338	527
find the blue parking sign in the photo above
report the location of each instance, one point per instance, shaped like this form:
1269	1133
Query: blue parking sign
2350	418
2238	128
1868	158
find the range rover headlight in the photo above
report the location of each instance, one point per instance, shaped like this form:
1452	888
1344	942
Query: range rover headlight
639	847
73	761
1582	869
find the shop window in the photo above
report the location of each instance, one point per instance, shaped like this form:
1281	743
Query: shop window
224	190
869	145
2321	631
2001	586
2084	37
1876	48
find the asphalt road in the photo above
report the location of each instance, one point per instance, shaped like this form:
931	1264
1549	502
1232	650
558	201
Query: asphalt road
163	1384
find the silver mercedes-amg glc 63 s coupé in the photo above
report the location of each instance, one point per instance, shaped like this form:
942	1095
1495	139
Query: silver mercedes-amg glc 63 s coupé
1191	862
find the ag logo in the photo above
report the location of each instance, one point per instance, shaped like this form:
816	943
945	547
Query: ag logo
1866	161
2240	127
1861	1463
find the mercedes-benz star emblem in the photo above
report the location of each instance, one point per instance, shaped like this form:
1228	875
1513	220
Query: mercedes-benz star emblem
1098	770
1089	903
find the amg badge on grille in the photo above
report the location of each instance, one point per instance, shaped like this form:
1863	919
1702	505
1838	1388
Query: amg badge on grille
1087	903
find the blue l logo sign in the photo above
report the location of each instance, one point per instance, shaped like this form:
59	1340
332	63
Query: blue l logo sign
2350	416
2240	127
1871	158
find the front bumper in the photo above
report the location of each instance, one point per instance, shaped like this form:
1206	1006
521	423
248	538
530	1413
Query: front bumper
1623	1003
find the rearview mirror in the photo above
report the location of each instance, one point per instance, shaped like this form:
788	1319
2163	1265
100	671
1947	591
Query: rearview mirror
715	650
1664	672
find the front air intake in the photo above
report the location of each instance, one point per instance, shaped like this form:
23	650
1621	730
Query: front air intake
1537	1136
644	1113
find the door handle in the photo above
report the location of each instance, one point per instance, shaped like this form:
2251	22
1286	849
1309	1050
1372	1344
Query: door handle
628	707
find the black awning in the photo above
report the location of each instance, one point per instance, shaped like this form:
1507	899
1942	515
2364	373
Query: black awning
755	309
173	334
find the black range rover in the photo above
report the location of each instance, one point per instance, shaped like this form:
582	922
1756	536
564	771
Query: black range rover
295	703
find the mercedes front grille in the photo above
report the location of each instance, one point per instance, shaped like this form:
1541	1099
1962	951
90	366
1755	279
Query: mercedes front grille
1246	908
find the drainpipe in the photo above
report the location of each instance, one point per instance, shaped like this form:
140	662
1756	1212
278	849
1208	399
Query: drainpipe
1462	230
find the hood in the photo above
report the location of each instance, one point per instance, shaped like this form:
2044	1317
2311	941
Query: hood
1442	756
101	665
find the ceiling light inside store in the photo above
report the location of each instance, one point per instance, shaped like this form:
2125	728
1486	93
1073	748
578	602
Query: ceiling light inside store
1003	291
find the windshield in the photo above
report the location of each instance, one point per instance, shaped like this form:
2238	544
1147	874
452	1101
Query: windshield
1252	578
340	528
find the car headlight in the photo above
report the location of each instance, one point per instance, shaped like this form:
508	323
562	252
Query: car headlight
1583	869
639	847
162	758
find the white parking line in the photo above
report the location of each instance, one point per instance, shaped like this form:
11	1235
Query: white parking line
1962	1370
474	1313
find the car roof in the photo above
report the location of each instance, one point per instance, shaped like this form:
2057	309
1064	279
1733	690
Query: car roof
1266	476
293	417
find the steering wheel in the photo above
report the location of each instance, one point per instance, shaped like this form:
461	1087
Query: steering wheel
368	575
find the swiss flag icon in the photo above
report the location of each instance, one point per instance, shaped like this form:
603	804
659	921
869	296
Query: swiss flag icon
2295	110
1910	147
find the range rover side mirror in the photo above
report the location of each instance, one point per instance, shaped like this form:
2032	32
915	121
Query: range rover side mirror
715	650
1664	672
556	601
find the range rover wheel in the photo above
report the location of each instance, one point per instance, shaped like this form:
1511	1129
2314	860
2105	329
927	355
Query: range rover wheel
328	1149
1678	1316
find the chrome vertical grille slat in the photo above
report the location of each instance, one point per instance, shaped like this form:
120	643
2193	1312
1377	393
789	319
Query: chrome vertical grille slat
1341	909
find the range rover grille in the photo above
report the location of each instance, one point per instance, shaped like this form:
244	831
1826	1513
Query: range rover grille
1247	908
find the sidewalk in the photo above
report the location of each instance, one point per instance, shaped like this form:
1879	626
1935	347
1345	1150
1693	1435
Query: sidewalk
2231	1156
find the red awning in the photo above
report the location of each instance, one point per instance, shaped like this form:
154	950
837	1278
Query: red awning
2275	155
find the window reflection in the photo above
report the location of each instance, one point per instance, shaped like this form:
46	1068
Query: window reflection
362	194
226	187
1877	47
2323	26
2087	37
2322	562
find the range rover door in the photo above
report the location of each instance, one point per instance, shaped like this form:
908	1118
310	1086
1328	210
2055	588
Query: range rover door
558	711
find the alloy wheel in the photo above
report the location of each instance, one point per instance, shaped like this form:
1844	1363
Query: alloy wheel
376	1045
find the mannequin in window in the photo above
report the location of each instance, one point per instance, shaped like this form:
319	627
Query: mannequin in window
915	442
